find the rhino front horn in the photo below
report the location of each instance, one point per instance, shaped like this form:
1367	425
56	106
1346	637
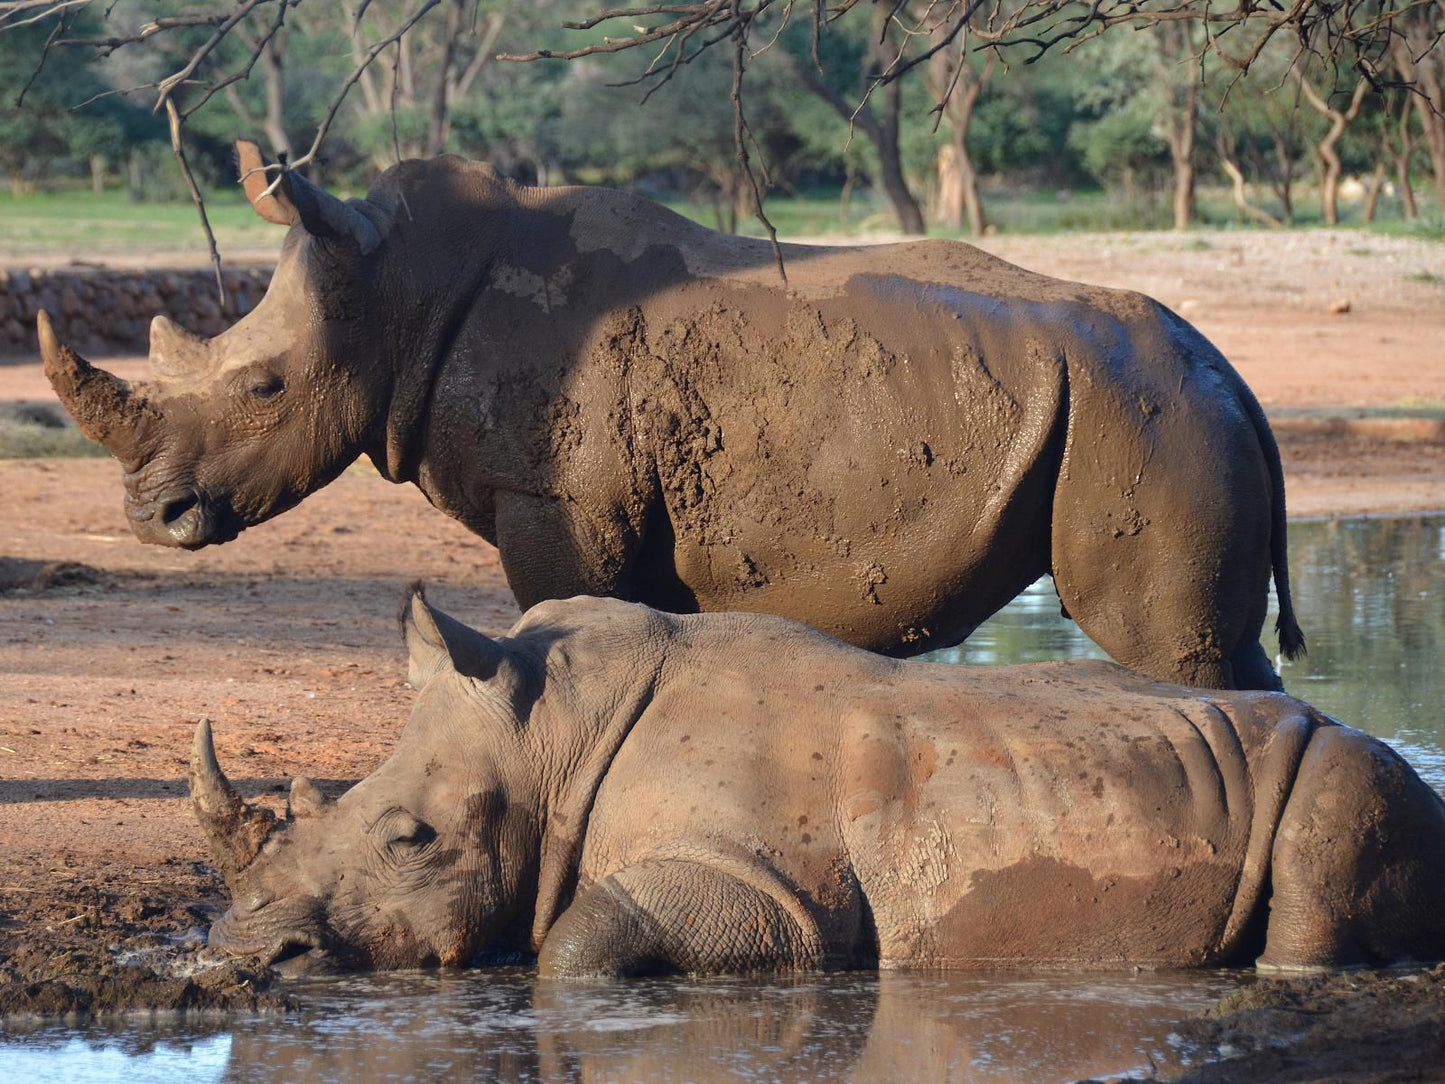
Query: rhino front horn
106	408
234	829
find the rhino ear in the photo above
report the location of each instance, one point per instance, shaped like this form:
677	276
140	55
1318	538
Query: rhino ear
251	166
435	641
296	199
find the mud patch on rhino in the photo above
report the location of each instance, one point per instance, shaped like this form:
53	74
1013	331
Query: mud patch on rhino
1049	909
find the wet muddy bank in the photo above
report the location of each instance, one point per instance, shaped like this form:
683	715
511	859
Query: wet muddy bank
1356	1026
82	952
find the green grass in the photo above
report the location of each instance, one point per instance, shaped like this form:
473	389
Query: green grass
1427	278
27	440
1048	211
81	223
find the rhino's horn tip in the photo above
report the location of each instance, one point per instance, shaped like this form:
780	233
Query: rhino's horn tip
45	332
202	742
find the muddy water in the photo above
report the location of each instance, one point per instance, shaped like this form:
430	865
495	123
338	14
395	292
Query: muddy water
1371	597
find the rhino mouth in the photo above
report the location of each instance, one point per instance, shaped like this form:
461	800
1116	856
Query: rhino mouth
184	518
293	954
294	957
307	947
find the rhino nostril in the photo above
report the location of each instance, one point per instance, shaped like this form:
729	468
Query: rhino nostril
177	507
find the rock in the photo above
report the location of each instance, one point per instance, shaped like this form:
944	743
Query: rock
1339	306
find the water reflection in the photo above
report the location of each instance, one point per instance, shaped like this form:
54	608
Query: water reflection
507	1026
1372	601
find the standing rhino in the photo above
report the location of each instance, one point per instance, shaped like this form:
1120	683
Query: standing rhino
889	447
624	791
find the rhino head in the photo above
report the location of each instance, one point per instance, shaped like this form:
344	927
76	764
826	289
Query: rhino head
238	428
430	860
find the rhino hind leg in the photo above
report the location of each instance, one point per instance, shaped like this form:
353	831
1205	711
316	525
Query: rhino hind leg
1252	669
678	917
1357	860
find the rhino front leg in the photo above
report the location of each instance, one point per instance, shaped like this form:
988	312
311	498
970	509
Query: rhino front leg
552	548
675	916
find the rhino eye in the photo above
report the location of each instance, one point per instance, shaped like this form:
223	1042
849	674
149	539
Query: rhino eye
401	831
268	388
418	836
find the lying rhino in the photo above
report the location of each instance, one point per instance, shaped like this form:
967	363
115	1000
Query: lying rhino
623	791
889	447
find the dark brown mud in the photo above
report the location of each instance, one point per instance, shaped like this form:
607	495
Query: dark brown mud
82	951
1363	1027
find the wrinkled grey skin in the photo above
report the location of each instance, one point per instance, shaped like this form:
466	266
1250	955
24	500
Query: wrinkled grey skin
889	448
626	792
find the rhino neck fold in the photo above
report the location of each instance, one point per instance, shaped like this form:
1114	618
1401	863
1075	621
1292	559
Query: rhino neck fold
569	801
417	371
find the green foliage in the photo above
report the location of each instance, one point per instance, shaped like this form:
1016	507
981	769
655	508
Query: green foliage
1120	145
1046	137
48	131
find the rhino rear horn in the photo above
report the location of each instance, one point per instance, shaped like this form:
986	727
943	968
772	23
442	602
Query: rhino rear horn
107	409
174	351
435	640
306	798
235	831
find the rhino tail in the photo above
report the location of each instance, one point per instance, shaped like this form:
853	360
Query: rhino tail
1291	636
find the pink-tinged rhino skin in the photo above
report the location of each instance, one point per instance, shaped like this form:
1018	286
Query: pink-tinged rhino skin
622	791
889	447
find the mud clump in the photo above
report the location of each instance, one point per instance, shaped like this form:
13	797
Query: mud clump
1356	1026
90	988
91	951
19	575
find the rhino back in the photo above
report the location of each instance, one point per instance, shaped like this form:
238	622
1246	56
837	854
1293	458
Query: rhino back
1069	812
907	405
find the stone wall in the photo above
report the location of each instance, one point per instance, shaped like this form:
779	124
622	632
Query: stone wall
108	311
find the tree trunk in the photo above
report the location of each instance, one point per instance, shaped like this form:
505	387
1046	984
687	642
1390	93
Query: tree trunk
1184	188
1420	60
1434	125
438	125
97	173
1176	48
881	130
1227	160
890	162
1325	149
272	67
1283	184
959	200
956	87
1403	154
1377	185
